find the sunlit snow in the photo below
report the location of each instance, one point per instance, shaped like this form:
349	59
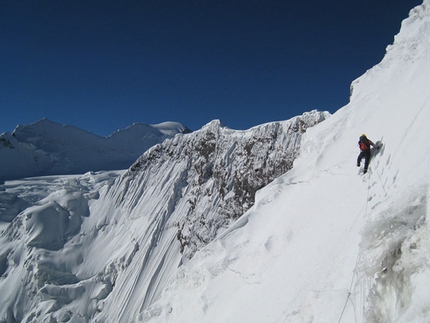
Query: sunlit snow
48	148
322	243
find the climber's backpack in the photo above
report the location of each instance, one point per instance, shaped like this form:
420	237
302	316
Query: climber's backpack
363	143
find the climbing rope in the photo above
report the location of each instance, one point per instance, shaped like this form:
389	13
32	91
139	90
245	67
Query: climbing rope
358	254
380	181
349	290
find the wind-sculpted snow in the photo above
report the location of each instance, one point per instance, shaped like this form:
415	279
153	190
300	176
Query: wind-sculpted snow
48	148
103	247
40	247
218	171
184	192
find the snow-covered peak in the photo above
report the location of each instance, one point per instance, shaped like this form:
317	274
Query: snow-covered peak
48	148
50	136
171	128
48	129
214	124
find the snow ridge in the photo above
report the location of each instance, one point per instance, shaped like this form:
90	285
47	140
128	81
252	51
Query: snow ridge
220	171
182	191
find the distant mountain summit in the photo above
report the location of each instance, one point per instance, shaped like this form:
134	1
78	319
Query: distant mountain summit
49	148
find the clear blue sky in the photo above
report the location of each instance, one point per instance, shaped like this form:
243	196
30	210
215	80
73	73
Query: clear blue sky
103	65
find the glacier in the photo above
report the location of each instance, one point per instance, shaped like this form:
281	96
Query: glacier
271	224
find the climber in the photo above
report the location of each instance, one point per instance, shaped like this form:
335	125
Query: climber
364	143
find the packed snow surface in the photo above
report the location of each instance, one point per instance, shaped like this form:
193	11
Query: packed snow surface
322	243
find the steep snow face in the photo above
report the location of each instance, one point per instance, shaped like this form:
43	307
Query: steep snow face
90	248
323	243
218	171
186	191
48	148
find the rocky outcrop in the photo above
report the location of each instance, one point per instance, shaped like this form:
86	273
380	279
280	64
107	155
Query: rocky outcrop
220	171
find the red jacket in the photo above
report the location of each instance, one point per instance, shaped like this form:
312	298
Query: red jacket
365	144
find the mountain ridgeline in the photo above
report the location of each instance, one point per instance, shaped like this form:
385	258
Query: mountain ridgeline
89	244
48	148
217	172
183	193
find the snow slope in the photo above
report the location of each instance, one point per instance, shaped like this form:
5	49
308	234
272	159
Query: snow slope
48	148
102	247
322	243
